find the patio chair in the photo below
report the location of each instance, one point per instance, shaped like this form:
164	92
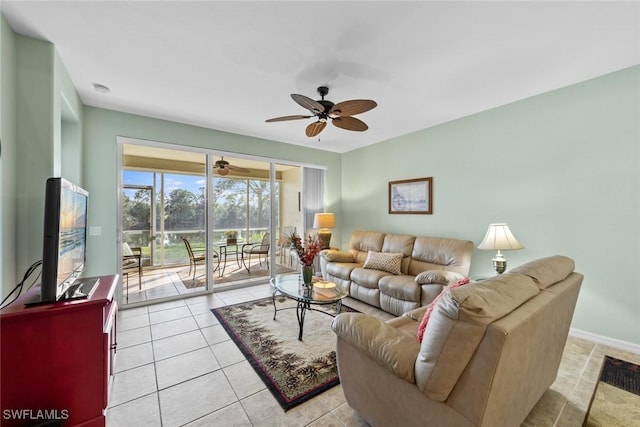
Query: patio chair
196	257
132	259
259	249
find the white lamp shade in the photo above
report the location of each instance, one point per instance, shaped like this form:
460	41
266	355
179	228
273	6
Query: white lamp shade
324	220
499	237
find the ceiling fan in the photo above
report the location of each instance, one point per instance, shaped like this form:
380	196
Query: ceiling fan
340	113
223	167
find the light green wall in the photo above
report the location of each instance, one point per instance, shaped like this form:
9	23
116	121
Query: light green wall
68	112
7	158
36	93
101	129
562	169
35	134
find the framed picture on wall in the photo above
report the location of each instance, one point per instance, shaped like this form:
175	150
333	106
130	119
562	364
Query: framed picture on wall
411	196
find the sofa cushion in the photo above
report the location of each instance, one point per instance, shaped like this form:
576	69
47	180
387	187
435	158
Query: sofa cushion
547	271
384	261
430	292
435	253
393	349
337	256
457	324
441	277
364	241
367	277
401	287
427	313
341	270
402	243
416	314
368	295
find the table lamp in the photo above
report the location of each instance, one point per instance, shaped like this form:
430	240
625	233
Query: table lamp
323	222
499	237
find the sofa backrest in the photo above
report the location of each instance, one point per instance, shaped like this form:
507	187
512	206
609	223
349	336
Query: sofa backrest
419	253
400	243
457	325
498	343
547	271
518	358
434	253
364	241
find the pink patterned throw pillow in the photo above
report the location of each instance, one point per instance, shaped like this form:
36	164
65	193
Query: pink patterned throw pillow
427	314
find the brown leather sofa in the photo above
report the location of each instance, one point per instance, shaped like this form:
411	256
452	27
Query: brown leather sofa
490	350
427	265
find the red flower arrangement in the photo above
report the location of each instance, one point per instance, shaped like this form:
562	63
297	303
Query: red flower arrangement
308	251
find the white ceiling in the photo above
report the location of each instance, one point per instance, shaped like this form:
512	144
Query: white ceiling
232	65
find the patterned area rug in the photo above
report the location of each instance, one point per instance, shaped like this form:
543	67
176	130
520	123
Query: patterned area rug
294	371
616	399
187	278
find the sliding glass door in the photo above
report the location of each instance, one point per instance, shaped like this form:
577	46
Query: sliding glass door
241	211
204	221
162	218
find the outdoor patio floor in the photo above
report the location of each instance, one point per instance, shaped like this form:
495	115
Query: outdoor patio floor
159	283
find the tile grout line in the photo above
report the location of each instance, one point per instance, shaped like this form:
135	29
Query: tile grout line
227	378
154	361
573	391
155	374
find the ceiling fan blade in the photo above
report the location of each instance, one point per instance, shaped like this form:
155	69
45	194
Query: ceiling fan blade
353	107
315	128
350	123
238	169
308	103
282	119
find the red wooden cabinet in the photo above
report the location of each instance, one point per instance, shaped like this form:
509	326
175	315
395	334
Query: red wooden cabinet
56	359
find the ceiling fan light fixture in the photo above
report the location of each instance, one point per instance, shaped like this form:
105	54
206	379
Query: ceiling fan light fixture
340	113
223	171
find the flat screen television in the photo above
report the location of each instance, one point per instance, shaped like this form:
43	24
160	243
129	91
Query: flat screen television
65	240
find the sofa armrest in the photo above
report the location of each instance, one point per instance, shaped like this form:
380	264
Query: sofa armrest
333	255
392	349
417	313
441	277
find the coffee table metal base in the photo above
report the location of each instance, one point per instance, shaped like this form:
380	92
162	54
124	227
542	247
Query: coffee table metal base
301	310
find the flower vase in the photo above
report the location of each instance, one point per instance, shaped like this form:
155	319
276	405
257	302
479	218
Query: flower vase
307	275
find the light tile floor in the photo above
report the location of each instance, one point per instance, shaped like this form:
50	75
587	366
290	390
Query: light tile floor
177	366
164	283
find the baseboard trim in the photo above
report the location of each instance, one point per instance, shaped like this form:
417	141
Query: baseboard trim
601	339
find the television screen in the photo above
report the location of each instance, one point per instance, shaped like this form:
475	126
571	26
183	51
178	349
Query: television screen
65	228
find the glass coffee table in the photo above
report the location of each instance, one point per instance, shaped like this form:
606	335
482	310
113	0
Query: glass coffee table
322	293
